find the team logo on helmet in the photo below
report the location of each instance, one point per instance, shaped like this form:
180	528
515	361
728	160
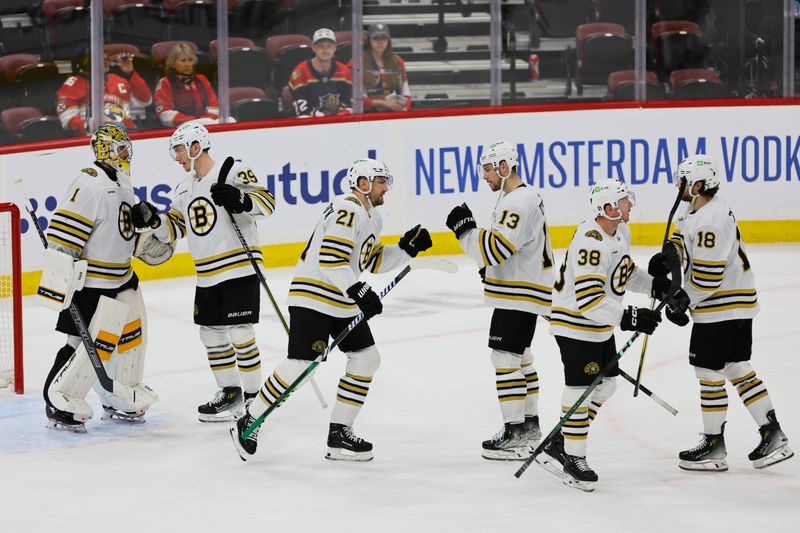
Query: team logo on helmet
202	216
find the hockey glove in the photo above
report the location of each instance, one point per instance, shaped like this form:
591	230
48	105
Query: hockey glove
144	215
660	287
664	261
677	305
640	319
231	198
460	220
366	299
415	240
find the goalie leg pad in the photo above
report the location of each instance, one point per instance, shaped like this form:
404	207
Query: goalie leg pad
512	388
62	276
354	385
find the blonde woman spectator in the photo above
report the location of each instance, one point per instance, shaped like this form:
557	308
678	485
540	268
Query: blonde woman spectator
385	79
182	95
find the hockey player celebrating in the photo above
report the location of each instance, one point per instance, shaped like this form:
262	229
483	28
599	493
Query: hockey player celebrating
587	306
326	294
719	290
515	257
90	242
226	303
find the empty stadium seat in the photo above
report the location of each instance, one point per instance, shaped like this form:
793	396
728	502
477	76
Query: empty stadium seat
277	43
243	93
677	44
17	39
249	67
254	109
603	48
68	26
622	86
140	24
257	19
195	21
697	83
27	124
38	84
233	42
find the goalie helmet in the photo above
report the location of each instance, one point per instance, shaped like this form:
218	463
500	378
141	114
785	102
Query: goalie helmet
606	192
151	250
369	169
696	168
111	144
186	135
497	152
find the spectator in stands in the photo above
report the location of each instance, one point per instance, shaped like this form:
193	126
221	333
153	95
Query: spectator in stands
321	86
385	79
182	95
124	89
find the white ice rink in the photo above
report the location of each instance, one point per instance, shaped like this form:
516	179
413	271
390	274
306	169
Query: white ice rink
431	404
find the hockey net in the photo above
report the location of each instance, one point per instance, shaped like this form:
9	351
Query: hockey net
10	299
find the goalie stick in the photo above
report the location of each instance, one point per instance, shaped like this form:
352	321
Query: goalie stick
223	175
425	263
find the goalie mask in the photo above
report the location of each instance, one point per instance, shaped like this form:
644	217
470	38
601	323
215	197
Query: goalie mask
609	192
368	169
151	250
111	145
696	168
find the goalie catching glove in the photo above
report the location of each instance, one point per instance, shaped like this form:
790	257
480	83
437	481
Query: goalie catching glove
152	251
62	276
415	240
366	299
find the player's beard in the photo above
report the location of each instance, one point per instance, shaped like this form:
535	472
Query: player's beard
376	199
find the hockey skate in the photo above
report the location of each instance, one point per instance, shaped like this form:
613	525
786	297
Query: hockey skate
508	444
131	417
532	432
245	447
344	446
774	446
63	421
578	473
226	406
552	457
709	455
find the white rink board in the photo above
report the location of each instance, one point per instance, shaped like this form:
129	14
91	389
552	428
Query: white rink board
434	164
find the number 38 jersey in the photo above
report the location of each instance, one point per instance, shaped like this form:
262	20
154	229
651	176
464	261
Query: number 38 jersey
717	273
597	270
217	252
93	222
345	242
516	252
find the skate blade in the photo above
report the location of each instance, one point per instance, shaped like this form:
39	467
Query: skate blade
225	416
709	465
778	455
585	486
51	424
243	455
339	454
550	464
123	418
519	454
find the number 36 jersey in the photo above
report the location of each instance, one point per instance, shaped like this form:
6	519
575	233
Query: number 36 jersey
217	252
597	270
345	242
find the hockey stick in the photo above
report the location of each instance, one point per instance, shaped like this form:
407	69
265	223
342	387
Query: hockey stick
426	263
650	393
672	211
114	387
223	175
676	282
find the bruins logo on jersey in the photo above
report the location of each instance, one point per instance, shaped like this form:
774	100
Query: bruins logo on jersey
591	369
594	234
124	223
202	216
366	252
92	172
622	274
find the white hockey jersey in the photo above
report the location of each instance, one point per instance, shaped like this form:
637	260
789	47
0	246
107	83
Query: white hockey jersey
516	252
717	273
597	270
217	252
93	222
345	242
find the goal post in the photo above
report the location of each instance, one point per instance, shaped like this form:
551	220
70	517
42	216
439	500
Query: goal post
11	371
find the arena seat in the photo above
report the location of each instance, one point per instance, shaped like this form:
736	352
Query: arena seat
140	23
257	19
195	21
694	83
603	48
677	44
68	27
621	86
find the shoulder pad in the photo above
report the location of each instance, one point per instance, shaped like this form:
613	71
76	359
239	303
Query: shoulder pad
89	170
594	234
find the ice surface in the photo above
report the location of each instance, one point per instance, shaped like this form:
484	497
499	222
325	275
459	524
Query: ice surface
431	404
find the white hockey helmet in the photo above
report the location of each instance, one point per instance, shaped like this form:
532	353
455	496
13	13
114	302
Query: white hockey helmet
111	144
369	169
605	192
497	152
696	168
186	135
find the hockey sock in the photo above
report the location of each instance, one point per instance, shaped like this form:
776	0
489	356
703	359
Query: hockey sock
751	390
276	384
600	395
532	381
354	385
713	399
576	428
511	385
221	357
248	357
